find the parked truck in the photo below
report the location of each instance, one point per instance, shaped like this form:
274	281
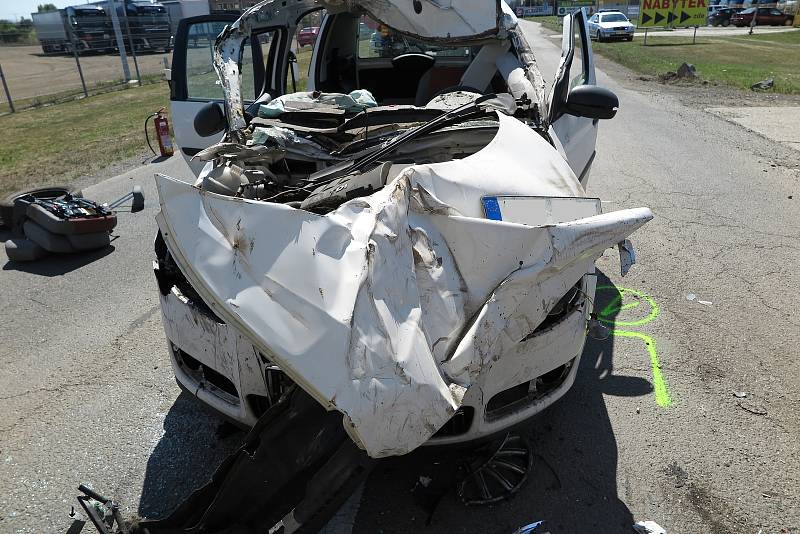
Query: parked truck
85	27
181	9
149	24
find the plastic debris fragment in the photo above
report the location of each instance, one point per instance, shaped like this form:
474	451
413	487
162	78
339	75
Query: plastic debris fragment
648	527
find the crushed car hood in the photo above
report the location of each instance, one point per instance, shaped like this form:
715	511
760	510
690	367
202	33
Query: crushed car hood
391	307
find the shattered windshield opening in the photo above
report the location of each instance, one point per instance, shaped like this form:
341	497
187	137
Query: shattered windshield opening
377	40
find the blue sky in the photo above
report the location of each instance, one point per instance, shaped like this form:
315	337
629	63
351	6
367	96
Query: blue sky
14	9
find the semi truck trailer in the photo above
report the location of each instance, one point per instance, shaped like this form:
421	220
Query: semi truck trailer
85	27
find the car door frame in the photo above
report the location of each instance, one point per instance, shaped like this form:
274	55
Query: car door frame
179	87
266	78
575	137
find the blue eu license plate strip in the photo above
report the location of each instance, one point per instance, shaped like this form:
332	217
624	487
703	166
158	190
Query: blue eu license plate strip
491	208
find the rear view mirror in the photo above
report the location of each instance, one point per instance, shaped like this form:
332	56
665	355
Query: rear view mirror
592	102
209	120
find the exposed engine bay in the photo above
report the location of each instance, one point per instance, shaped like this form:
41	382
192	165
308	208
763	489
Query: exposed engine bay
321	156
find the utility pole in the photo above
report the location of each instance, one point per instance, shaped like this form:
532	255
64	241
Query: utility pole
112	9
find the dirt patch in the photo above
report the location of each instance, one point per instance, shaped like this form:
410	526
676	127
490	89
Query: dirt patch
714	512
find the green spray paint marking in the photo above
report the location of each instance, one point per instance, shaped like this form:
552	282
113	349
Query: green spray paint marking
616	306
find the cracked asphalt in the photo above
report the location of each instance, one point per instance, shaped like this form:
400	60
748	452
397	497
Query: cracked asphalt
88	396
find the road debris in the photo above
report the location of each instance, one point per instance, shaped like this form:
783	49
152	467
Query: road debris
755	410
527	529
687	70
648	527
763	85
62	224
497	472
740	394
693	297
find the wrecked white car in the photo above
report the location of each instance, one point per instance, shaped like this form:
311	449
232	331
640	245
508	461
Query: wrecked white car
407	238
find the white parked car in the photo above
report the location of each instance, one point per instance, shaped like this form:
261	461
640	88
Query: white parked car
610	25
409	240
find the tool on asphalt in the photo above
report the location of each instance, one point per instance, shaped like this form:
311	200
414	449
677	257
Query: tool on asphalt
102	512
162	133
137	196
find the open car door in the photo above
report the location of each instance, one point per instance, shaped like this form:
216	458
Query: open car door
194	81
577	135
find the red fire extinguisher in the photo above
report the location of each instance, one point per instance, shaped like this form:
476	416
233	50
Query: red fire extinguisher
162	133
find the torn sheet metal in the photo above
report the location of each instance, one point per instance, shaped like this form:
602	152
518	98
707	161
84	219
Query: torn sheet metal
367	307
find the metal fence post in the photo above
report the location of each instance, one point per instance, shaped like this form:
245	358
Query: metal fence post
8	94
133	48
74	46
120	42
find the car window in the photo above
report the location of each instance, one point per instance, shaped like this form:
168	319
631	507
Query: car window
777	12
303	46
749	10
201	78
615	17
594	18
265	40
378	40
577	70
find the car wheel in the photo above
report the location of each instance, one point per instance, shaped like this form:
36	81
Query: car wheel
725	23
7	203
787	22
630	39
599	37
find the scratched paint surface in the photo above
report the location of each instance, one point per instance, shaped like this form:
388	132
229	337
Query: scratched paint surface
639	309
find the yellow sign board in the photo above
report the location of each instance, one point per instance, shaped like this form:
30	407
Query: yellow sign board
673	13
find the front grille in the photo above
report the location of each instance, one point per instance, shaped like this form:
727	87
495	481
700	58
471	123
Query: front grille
277	383
221	386
458	424
571	300
518	396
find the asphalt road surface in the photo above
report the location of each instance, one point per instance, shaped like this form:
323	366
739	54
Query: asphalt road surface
88	396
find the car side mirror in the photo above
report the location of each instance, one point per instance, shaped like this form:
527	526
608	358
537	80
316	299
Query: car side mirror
209	120
592	101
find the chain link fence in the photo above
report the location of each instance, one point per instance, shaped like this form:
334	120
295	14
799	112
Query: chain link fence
39	71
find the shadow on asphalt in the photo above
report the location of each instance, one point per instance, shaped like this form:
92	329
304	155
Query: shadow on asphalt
573	485
58	264
194	443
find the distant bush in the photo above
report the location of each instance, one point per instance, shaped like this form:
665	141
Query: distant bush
17	33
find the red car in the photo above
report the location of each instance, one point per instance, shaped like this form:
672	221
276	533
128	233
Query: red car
307	36
766	16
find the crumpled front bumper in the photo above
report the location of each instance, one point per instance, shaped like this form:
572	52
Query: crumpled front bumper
217	364
393	309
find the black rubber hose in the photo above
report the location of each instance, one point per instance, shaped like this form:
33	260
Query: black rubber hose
147	134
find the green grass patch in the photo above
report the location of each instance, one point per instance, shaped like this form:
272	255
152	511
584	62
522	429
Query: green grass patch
73	94
58	143
551	22
736	61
